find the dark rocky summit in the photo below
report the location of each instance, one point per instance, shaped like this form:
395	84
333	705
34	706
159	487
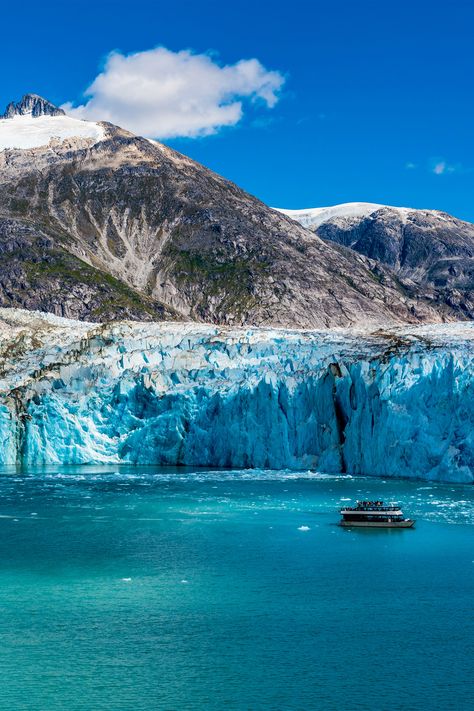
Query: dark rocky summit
126	226
34	105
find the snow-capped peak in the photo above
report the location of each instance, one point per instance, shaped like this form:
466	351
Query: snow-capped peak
34	122
315	216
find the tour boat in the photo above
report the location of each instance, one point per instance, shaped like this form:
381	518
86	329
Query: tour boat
374	514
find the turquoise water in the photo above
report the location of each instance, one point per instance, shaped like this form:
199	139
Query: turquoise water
145	589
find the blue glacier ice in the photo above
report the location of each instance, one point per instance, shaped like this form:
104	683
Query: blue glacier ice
393	403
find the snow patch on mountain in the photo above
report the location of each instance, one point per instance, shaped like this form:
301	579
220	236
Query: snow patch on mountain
315	216
28	131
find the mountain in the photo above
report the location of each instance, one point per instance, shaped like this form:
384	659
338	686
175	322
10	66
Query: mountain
426	247
32	105
397	402
97	223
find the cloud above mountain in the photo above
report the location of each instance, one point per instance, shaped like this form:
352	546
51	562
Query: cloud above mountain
163	94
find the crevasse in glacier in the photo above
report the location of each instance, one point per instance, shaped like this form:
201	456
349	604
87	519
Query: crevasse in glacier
397	403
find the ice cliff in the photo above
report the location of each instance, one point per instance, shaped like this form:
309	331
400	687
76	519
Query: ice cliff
391	403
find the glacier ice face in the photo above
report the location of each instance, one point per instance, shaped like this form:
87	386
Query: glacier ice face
395	403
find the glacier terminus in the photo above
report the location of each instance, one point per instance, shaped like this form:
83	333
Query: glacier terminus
390	402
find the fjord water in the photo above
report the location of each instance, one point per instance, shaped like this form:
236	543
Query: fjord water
138	588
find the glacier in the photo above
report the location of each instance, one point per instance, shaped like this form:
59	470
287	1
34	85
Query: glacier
394	402
313	217
33	132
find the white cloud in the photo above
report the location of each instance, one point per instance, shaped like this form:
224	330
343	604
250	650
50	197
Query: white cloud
164	94
440	167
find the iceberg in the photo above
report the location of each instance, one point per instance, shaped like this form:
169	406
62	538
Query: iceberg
395	402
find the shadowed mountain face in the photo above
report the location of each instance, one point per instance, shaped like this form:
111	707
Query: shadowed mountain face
123	226
428	248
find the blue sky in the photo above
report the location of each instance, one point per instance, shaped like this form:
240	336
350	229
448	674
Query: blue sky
376	99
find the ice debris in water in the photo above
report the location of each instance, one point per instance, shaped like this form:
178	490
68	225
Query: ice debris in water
397	402
303	528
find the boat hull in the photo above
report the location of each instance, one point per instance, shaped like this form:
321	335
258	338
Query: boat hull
378	524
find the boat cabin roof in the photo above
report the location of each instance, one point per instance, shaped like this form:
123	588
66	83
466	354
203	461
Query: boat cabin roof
372	506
